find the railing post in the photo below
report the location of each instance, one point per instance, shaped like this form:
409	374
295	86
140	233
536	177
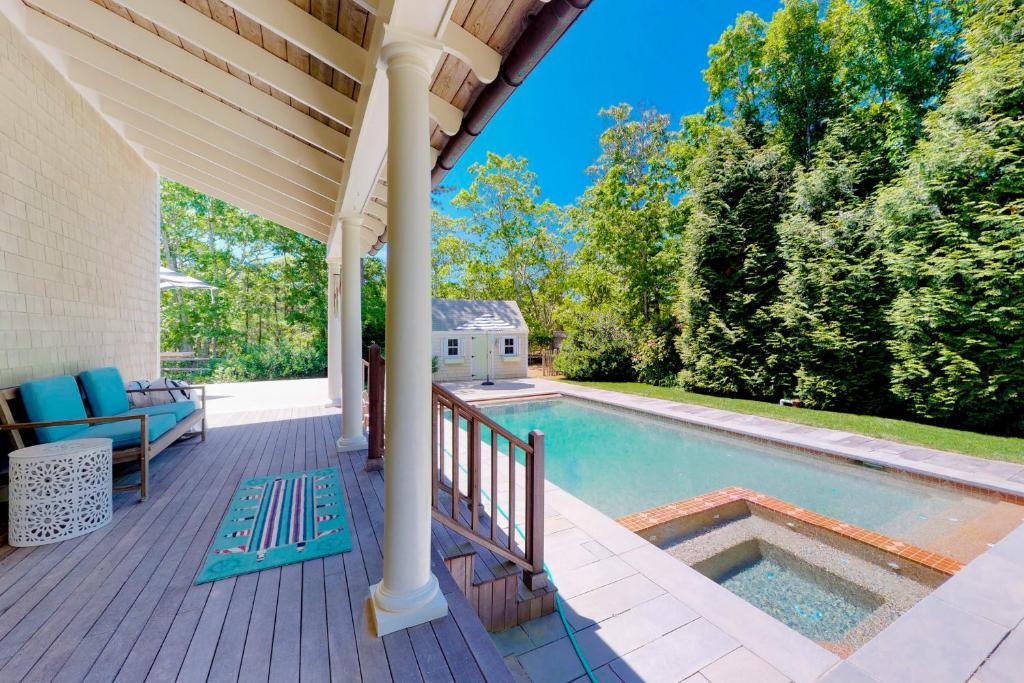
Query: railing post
535	578
375	398
474	473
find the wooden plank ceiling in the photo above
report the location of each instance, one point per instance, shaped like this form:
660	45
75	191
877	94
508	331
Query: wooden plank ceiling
291	173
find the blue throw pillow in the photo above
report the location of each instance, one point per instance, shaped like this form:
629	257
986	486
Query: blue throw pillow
105	390
48	400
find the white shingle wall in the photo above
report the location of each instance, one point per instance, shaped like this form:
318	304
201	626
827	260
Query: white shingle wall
79	231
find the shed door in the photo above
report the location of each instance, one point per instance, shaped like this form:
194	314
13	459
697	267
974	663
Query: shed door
478	350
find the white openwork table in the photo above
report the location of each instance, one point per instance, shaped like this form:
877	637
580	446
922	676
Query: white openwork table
59	490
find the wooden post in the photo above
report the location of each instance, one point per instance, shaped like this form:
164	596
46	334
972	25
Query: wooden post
537	577
474	473
375	391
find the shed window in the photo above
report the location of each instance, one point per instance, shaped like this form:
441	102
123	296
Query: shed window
508	346
453	348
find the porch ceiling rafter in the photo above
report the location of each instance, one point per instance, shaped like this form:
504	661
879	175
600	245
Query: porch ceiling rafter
309	33
134	120
121	101
218	40
271	196
260	204
149	47
76	44
220	192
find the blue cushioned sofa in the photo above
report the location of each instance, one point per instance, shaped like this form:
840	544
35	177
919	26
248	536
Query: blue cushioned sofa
96	405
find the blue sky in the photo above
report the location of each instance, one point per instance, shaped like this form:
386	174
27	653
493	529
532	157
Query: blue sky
648	53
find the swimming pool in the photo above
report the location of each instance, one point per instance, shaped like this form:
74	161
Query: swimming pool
621	462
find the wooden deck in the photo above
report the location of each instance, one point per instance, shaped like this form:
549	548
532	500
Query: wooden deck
119	603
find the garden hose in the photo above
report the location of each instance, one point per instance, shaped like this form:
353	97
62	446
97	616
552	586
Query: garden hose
551	578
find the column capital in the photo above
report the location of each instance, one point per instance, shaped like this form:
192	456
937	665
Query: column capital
402	49
353	221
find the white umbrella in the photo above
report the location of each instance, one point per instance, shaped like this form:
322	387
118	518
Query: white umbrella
488	323
172	279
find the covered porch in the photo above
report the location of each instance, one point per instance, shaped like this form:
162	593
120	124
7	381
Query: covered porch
120	603
335	120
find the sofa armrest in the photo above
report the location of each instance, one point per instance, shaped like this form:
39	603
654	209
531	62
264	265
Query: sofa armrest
82	420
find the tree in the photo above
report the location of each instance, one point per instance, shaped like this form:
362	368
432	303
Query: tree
954	227
729	341
374	300
628	221
735	73
836	288
628	225
800	75
504	243
268	316
901	53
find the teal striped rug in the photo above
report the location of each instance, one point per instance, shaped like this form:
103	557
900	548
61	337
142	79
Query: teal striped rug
278	520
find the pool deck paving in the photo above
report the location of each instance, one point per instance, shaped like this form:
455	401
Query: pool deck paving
640	614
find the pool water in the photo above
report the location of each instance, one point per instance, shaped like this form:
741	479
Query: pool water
621	462
813	602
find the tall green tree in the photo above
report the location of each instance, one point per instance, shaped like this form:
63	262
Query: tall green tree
503	242
836	289
800	75
628	225
268	316
954	223
735	75
729	341
629	219
374	300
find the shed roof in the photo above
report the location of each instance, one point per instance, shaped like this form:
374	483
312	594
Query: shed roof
477	315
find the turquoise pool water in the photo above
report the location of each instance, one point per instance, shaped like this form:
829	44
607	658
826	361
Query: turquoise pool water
620	463
799	597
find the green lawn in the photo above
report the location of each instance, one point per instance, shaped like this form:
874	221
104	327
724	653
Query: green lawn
982	445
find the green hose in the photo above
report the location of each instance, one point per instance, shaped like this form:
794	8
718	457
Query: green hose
551	578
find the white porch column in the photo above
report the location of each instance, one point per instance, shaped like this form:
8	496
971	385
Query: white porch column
409	593
333	332
352	436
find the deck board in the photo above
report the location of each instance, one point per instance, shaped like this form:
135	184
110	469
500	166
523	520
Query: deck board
120	604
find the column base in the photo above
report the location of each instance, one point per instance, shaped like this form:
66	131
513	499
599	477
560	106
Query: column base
357	443
432	605
374	465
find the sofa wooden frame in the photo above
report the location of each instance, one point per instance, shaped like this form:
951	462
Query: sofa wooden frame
142	453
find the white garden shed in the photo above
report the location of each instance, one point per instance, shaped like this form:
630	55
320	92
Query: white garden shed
477	339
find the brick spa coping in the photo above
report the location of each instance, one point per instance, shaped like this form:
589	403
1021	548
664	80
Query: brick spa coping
896	470
644	521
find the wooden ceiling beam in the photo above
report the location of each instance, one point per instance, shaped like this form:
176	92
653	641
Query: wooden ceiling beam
106	59
219	40
130	37
253	199
274	199
309	33
135	120
124	102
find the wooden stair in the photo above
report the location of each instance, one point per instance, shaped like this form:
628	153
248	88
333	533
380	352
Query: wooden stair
492	584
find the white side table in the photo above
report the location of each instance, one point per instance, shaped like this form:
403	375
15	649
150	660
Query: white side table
59	490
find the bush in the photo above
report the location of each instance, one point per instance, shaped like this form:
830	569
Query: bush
271	362
596	348
654	358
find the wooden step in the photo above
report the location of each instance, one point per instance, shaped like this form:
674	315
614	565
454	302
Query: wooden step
491	583
501	602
